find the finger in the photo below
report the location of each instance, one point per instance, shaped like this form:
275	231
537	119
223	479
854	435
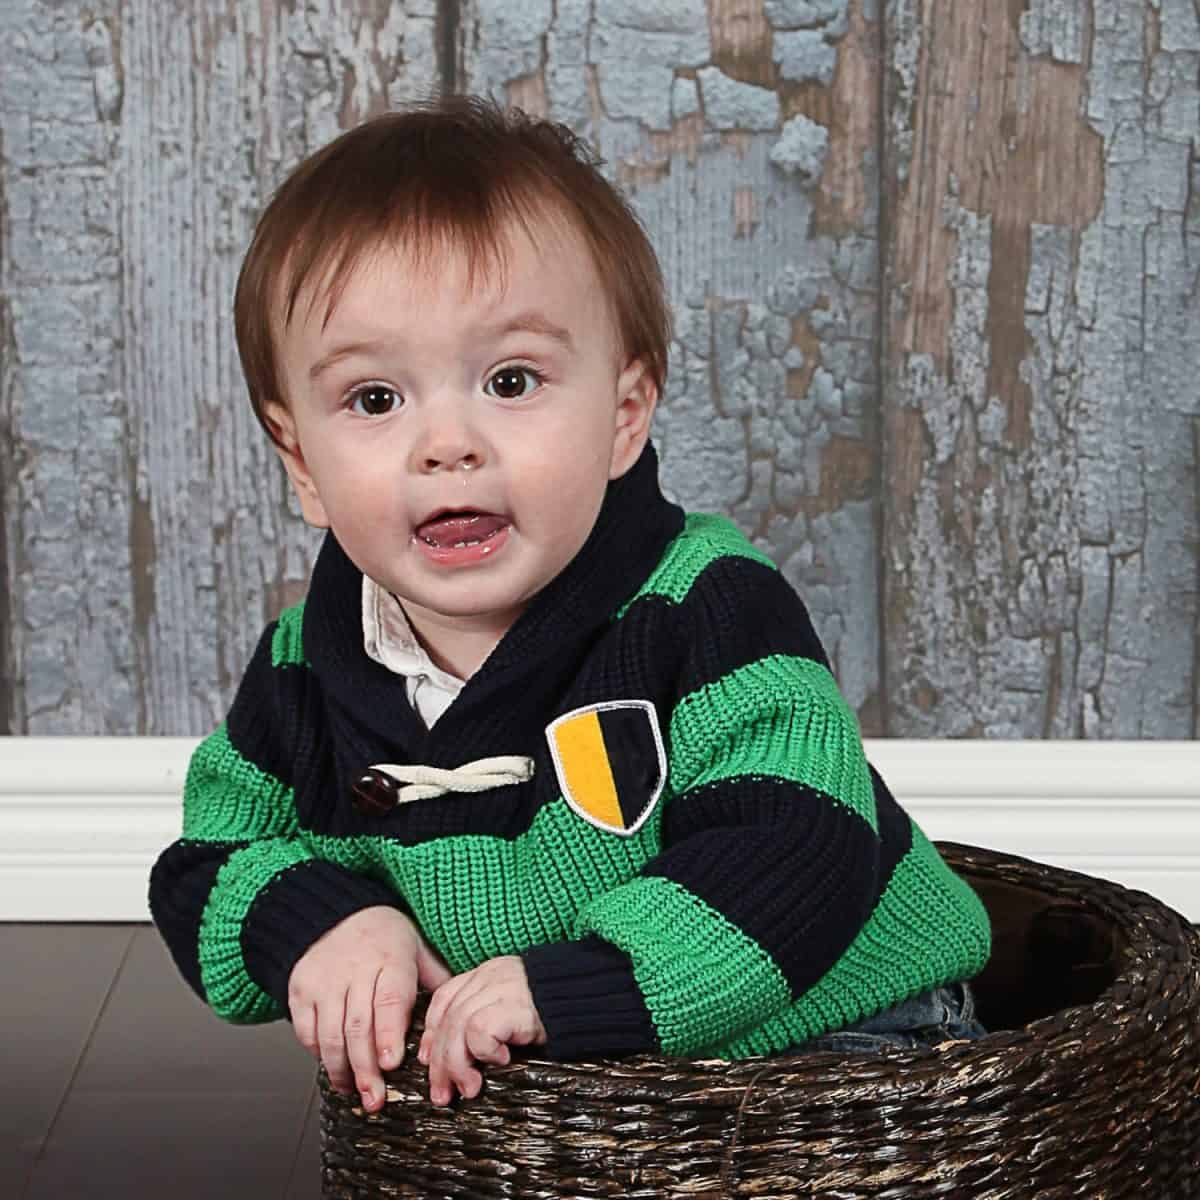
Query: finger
435	1045
462	990
395	990
450	1067
474	1008
486	1040
440	1000
360	1039
516	1022
432	1053
331	1038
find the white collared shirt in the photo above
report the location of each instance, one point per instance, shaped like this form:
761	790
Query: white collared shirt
388	638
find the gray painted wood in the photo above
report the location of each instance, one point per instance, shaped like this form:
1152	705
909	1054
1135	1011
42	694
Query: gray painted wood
739	130
149	532
1043	415
999	536
68	501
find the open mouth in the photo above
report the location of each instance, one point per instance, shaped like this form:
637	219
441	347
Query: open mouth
460	529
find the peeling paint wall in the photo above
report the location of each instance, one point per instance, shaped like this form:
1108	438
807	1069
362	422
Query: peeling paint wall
739	131
1041	517
149	532
978	463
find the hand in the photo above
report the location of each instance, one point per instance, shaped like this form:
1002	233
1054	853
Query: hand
351	997
473	1017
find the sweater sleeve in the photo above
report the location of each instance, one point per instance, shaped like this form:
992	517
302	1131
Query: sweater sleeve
770	859
241	895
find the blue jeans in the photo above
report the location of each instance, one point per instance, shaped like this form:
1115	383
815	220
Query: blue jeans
942	1014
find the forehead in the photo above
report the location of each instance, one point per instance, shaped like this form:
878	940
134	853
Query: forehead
541	259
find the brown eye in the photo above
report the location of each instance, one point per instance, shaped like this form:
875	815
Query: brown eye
511	383
375	400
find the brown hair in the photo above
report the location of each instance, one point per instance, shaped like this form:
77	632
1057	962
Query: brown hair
445	172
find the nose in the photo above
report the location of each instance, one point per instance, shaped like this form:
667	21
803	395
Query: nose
448	442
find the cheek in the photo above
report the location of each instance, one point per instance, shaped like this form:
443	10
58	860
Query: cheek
576	451
566	495
353	486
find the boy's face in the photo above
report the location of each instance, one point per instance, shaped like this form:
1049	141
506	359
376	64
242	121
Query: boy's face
460	452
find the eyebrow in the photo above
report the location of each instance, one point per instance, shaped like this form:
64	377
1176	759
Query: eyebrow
530	321
345	351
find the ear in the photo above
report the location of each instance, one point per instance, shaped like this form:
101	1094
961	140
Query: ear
637	395
287	446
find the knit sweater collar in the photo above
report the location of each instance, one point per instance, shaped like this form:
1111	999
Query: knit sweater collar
631	532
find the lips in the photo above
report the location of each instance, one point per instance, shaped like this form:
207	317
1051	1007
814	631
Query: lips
460	528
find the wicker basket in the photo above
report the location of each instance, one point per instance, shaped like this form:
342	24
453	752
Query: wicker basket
1088	1085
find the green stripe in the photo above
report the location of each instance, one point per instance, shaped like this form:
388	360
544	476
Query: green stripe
705	538
230	990
287	642
226	798
700	975
781	716
536	883
929	929
654	920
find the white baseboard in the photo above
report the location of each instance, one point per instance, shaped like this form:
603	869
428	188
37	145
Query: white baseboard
83	819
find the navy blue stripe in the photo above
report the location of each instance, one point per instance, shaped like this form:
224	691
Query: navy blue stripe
895	831
272	706
742	611
795	871
613	1020
180	884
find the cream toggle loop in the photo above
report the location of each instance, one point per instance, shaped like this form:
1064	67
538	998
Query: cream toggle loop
479	776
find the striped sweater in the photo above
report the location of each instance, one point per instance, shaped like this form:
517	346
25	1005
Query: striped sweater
713	870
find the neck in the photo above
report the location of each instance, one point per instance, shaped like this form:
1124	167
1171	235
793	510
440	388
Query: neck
456	644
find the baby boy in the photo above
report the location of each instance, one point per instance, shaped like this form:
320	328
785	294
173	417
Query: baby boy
537	740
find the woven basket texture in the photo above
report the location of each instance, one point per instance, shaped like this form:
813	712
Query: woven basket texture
1088	1085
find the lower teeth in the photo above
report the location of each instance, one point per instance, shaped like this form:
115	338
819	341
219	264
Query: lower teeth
453	545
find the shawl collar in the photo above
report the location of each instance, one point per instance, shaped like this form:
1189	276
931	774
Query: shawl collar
535	659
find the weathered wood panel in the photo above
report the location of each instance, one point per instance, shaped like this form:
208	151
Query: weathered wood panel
1039	411
149	530
67	498
1043	415
745	132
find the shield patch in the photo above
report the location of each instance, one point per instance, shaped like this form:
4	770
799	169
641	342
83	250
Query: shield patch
610	762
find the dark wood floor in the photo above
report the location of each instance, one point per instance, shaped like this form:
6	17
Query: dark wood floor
118	1081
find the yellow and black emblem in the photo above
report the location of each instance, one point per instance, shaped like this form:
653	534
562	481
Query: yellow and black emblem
610	762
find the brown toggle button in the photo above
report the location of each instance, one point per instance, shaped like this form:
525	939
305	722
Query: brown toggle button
374	793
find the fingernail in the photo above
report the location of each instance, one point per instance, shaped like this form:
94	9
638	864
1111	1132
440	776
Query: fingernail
388	1057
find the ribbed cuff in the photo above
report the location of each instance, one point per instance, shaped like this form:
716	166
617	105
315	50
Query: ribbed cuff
588	1000
296	908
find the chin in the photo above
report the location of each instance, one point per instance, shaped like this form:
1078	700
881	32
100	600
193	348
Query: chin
473	605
